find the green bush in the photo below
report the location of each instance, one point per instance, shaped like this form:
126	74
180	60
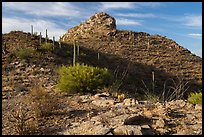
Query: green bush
24	53
83	78
195	98
47	46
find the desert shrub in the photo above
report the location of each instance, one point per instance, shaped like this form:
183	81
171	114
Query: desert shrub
195	98
47	46
24	53
24	121
43	103
174	89
82	78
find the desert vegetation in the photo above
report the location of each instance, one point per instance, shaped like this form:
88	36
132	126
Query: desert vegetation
83	78
195	98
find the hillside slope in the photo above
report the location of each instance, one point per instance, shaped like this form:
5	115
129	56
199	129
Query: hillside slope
144	52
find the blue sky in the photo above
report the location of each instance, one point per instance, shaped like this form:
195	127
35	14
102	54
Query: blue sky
179	21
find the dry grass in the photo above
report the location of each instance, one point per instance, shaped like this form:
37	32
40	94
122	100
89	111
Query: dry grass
173	90
176	89
32	110
44	104
24	121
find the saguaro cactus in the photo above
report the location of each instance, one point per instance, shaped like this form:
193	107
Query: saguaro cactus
31	30
40	39
53	43
60	42
98	56
153	81
148	45
4	48
46	36
74	55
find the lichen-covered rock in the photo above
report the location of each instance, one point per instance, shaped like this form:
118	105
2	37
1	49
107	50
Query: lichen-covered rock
103	102
102	19
128	130
87	128
101	23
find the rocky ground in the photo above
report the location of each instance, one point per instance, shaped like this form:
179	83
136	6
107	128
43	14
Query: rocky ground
102	114
99	114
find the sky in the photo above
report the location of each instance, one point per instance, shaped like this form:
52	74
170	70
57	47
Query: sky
179	21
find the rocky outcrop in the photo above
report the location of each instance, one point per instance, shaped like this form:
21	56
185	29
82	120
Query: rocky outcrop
101	23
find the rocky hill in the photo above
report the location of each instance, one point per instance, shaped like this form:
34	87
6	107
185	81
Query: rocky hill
138	52
131	56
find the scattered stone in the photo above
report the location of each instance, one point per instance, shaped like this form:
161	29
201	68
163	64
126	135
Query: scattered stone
20	88
128	102
28	69
98	95
198	107
147	113
189	106
127	130
103	102
159	123
137	120
87	128
42	69
119	105
118	120
146	130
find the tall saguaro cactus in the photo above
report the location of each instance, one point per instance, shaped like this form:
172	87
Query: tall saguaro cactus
148	45
74	55
46	36
53	43
153	81
98	56
31	30
40	39
4	48
60	42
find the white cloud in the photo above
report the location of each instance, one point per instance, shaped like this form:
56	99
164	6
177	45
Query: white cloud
149	4
22	24
195	35
139	15
193	20
122	21
128	5
43	8
117	5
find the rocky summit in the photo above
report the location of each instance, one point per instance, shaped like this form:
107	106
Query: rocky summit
100	22
144	66
140	54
